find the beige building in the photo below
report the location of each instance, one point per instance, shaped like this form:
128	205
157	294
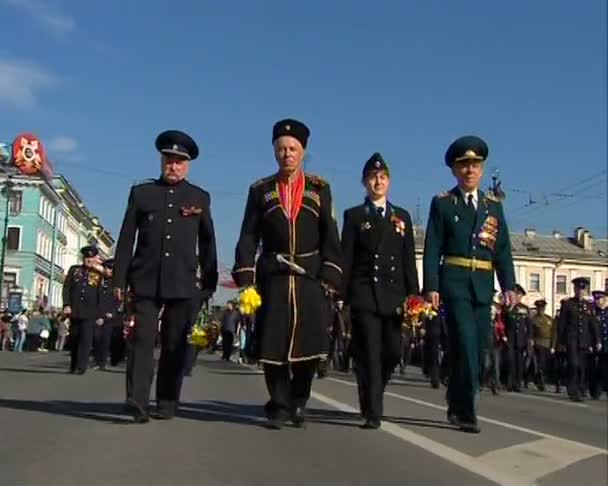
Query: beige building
546	264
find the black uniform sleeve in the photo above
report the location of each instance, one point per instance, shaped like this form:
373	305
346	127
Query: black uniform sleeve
503	257
594	329
562	322
410	274
67	284
243	271
348	250
433	248
331	253
124	246
207	250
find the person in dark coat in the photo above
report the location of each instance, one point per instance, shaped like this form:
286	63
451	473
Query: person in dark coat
578	331
106	331
81	302
170	219
519	332
599	378
290	212
379	274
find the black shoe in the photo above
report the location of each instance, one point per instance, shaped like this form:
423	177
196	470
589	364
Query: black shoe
275	423
298	417
141	417
577	398
80	372
434	384
160	414
453	419
371	424
470	427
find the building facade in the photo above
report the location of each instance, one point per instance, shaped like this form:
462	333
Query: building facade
46	226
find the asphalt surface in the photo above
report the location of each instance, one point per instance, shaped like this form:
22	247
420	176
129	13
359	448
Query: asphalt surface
61	429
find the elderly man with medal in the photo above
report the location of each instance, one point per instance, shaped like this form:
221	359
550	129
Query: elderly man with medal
168	221
466	242
290	213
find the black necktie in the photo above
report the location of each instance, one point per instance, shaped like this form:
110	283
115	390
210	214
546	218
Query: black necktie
470	202
381	212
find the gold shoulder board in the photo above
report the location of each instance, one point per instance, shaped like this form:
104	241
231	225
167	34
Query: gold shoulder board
316	180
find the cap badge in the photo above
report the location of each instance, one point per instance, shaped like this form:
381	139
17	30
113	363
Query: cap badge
287	127
377	164
470	153
174	147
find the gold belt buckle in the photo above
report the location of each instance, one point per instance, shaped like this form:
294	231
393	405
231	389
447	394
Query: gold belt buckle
473	264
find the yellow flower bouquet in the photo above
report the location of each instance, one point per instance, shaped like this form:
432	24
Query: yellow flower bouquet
249	301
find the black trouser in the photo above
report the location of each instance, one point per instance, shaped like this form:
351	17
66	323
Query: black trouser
431	343
560	369
598	381
190	358
117	344
577	364
80	347
515	364
288	385
227	342
102	340
542	355
376	351
176	322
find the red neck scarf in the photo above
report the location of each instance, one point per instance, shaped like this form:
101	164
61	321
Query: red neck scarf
291	195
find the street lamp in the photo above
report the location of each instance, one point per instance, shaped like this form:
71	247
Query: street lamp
6	192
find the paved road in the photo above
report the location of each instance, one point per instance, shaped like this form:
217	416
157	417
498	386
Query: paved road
60	429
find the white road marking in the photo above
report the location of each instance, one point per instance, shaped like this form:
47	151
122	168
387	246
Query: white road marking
533	460
594	450
536	396
449	454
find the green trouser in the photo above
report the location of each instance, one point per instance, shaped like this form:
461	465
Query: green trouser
468	324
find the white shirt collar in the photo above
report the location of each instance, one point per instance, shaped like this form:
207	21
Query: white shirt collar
381	204
465	195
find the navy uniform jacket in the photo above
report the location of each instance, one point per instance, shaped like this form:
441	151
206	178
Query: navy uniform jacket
577	324
172	223
81	291
109	308
453	230
518	326
379	261
291	325
602	317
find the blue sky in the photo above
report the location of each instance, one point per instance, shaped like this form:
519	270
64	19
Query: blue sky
98	80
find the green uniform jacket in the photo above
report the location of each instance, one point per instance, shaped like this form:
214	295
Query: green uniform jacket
455	230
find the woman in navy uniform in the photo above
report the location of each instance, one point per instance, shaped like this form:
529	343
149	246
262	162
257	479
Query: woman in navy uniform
379	273
290	213
466	241
81	302
171	220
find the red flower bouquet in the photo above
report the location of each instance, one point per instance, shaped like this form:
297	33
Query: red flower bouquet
416	311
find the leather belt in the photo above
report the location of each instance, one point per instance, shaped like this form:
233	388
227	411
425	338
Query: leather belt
296	255
470	263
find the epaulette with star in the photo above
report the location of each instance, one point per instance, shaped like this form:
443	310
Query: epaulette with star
489	196
261	181
316	180
443	194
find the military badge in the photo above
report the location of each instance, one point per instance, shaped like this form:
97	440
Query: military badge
398	224
365	226
487	234
313	195
190	211
269	196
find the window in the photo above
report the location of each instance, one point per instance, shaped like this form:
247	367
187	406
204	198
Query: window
16	203
561	285
534	285
13	238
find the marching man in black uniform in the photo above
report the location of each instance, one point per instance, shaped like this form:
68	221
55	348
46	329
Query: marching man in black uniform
519	332
81	295
105	332
171	220
379	273
578	331
290	212
599	378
